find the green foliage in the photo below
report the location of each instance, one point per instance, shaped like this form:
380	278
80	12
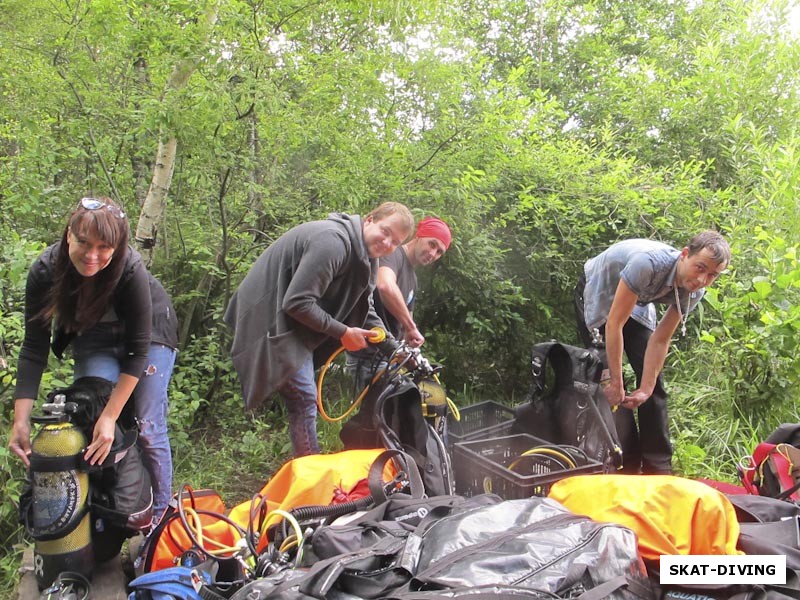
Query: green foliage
11	532
758	327
232	454
708	442
16	257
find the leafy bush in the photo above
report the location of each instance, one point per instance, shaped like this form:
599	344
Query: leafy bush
753	340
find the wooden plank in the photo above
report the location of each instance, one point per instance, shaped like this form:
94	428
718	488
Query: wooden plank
108	580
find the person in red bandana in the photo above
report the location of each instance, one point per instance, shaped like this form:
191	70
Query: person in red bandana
396	288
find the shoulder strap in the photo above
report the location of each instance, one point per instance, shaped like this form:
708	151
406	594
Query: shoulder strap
539	358
406	464
592	361
785	464
604	590
569	364
577	368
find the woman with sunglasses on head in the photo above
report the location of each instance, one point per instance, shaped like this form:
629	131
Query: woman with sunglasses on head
91	290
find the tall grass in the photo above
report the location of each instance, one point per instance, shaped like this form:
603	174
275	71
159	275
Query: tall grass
710	430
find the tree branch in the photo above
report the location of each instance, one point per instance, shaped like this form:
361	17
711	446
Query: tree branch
106	172
436	151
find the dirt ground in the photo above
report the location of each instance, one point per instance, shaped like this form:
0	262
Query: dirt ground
109	580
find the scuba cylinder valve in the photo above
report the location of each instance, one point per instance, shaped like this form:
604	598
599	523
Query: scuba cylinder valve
60	523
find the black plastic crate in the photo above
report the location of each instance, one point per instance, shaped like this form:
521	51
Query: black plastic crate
497	465
480	421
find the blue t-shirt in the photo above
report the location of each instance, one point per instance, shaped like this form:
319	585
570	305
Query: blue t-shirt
647	267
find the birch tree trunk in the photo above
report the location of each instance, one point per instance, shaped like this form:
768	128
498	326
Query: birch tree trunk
155	203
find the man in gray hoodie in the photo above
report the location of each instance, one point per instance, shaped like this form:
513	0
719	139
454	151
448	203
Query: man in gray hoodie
306	294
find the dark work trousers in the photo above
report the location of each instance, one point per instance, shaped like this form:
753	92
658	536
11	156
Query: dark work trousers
645	449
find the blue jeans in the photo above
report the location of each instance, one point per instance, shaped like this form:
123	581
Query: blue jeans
150	407
300	396
363	366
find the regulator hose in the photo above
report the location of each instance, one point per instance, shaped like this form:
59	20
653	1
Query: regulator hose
331	511
379	339
558	456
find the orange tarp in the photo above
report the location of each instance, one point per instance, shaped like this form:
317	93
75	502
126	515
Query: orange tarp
311	480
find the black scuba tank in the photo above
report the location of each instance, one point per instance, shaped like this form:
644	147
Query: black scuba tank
60	522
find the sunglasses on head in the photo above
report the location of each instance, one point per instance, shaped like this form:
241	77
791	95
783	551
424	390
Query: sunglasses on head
95	204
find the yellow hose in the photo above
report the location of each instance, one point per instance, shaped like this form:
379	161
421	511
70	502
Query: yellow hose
193	521
353	406
546	451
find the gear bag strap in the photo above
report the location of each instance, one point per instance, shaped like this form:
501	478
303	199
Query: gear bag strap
375	476
604	590
123	441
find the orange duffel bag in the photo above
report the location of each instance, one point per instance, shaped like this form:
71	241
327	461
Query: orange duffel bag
670	515
194	520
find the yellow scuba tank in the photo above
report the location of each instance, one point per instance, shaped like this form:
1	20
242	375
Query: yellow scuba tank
60	522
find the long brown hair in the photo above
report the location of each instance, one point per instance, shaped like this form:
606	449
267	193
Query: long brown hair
78	302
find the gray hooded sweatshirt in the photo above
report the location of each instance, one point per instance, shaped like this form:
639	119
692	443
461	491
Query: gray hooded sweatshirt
303	291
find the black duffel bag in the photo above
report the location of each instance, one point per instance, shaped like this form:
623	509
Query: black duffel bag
522	548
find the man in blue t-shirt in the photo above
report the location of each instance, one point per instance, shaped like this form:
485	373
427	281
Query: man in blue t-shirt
614	302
